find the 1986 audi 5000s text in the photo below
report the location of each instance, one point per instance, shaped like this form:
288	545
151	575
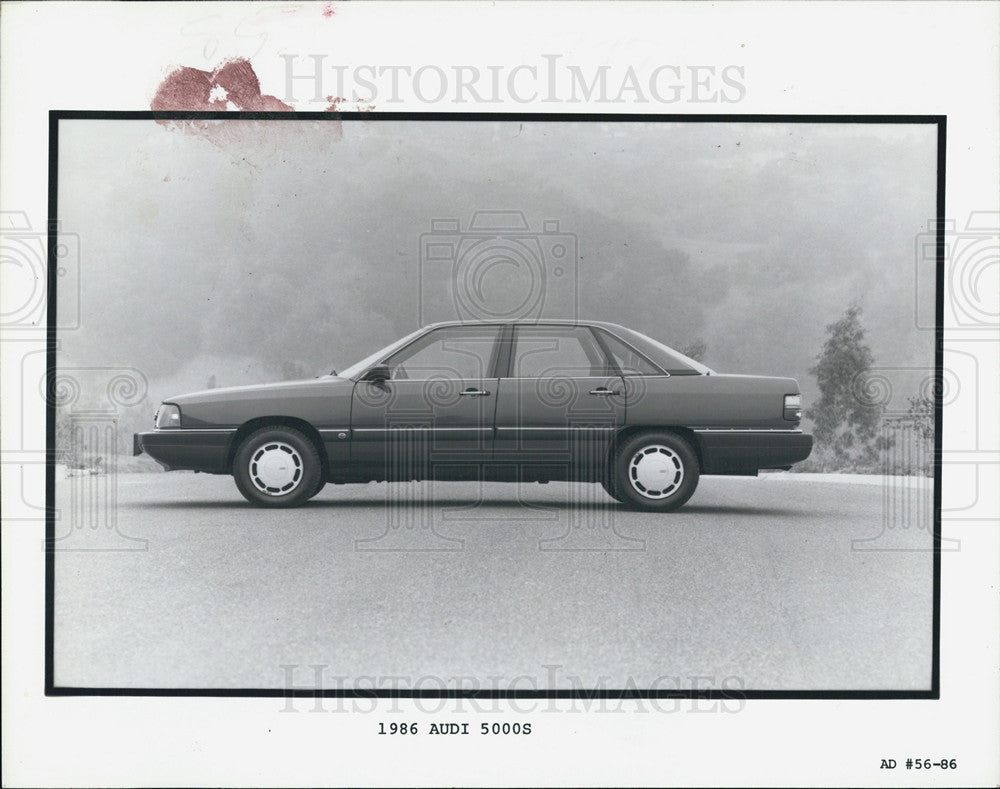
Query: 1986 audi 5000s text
507	401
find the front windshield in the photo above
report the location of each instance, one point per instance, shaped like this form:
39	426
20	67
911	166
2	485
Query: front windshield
356	369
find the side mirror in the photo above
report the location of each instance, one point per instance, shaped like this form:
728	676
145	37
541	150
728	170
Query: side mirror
378	374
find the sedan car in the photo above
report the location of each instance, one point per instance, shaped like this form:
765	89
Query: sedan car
535	401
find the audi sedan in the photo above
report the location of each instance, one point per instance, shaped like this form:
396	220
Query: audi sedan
536	401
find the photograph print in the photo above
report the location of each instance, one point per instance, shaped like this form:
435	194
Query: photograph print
496	404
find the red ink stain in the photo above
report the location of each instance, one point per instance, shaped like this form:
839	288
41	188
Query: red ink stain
336	103
234	83
328	10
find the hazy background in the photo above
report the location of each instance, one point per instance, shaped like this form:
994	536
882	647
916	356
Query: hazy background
236	252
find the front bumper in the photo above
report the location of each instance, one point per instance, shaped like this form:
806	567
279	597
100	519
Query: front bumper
748	451
194	450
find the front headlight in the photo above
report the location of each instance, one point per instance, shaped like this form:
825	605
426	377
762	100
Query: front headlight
793	407
167	416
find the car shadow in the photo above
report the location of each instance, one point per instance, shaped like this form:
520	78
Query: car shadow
458	503
728	509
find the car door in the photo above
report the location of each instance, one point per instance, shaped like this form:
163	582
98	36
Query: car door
435	410
560	403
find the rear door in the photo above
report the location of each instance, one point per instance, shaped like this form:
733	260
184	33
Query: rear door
560	402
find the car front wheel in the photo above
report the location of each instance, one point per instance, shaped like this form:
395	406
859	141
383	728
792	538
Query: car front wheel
277	467
319	487
655	471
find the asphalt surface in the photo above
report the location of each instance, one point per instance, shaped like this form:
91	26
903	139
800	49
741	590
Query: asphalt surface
174	581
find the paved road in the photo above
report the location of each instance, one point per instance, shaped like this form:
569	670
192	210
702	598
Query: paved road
757	580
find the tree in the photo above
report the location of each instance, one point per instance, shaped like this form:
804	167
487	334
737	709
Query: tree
846	417
919	419
920	415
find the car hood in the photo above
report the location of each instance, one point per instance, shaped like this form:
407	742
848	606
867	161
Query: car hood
301	387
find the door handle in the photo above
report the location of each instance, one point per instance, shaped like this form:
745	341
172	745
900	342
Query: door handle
604	392
470	392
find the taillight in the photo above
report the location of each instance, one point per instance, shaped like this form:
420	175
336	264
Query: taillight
793	407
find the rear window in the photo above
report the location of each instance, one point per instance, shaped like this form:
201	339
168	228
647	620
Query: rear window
674	362
629	361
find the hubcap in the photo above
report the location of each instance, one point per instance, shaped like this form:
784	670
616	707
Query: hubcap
656	471
275	468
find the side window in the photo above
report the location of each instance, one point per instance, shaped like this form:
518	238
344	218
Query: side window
563	351
628	360
458	352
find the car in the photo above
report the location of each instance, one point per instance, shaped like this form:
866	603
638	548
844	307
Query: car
510	401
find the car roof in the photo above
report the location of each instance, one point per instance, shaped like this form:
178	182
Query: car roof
527	322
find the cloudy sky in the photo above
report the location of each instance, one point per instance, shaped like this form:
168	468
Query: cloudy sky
231	248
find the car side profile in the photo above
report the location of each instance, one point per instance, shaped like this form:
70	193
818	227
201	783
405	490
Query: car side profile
510	401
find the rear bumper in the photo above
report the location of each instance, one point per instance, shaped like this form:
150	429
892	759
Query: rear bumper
748	451
194	450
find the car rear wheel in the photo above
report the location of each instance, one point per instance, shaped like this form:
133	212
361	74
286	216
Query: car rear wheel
655	471
277	467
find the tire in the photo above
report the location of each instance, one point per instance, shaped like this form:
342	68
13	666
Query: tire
277	467
319	486
607	482
655	471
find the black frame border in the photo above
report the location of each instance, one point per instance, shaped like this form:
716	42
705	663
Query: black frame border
51	689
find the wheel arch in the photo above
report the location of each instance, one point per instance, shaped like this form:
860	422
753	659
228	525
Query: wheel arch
626	433
304	427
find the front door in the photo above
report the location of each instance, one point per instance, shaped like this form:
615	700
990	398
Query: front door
560	404
434	416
